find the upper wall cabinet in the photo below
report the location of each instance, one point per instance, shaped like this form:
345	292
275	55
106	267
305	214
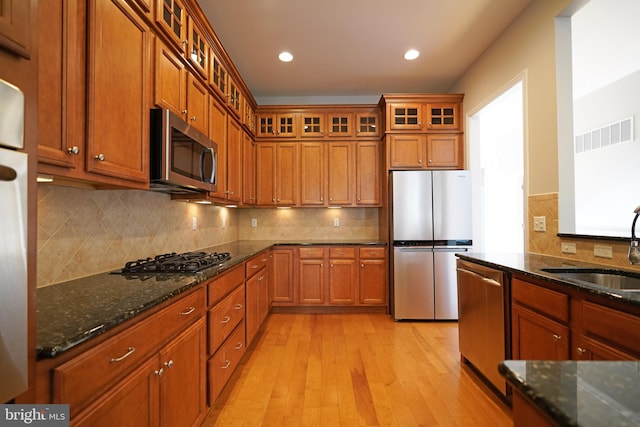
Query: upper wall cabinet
218	76
423	113
276	125
368	124
15	28
171	17
319	125
198	50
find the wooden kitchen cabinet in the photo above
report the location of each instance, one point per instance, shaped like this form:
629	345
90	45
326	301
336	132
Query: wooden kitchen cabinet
218	76
311	278
368	124
170	90
318	125
198	49
539	317
248	170
234	98
340	173
429	151
326	173
372	278
282	273
15	26
171	18
312	173
256	293
218	123
118	94
197	114
404	116
276	174
233	191
443	116
407	151
444	151
271	125
128	378
343	276
368	173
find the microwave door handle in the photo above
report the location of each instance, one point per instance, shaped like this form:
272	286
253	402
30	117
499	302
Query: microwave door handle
214	166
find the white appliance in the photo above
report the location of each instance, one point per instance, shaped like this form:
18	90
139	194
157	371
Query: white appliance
431	222
13	245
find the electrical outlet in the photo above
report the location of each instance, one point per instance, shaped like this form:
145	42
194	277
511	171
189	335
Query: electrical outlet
539	223
336	222
254	222
567	248
194	223
603	251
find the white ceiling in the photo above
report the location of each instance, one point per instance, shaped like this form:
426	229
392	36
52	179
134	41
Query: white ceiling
354	48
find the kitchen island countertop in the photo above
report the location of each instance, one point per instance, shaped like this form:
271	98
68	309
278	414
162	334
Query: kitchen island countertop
70	313
579	393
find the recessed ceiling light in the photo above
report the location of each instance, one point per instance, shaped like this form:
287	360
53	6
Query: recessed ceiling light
411	54
285	57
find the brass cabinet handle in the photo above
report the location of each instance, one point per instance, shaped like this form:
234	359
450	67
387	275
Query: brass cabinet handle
130	351
226	319
237	307
581	350
238	346
226	364
557	337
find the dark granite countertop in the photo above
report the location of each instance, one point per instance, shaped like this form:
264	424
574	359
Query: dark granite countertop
531	265
70	313
580	393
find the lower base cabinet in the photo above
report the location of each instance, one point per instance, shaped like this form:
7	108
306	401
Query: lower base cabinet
224	361
167	390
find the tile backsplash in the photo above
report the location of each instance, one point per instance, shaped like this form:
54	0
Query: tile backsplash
83	232
548	242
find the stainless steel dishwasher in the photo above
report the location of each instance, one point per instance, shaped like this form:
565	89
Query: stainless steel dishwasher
481	324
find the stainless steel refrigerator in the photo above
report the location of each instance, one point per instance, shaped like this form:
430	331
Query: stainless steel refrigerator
430	223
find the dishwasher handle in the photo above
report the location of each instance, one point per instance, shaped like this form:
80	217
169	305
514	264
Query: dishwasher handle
486	280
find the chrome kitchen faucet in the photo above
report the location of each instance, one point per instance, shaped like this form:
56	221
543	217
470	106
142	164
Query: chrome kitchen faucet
634	252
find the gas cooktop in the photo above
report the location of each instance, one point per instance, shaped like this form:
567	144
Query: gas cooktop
187	262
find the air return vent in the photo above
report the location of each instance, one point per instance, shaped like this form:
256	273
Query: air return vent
613	133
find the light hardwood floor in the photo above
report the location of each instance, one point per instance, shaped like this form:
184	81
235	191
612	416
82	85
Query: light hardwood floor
355	370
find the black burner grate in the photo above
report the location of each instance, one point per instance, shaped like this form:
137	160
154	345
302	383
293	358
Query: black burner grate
188	262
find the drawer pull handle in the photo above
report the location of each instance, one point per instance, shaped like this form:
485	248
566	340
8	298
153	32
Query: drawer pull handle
254	266
168	364
557	337
226	365
237	307
581	350
264	259
159	372
130	351
226	319
238	346
188	311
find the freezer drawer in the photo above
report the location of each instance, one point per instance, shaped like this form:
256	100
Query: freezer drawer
445	282
413	283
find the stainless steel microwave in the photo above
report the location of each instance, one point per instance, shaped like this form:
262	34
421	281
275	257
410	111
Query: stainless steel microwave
183	159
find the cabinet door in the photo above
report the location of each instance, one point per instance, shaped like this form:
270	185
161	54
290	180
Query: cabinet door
265	174
286	172
407	151
340	125
372	282
404	116
443	116
282	276
234	98
198	50
341	164
61	83
444	151
312	125
218	78
368	174
118	101
171	17
536	337
312	173
170	80
197	104
234	161
183	382
252	317
286	125
591	349
132	402
15	26
311	281
248	170
367	124
343	281
218	134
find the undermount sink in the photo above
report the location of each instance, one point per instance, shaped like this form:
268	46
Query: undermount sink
613	279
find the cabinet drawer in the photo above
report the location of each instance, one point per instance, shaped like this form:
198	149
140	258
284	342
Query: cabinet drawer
341	252
224	317
612	325
222	364
551	303
76	381
256	263
314	253
371	253
220	287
